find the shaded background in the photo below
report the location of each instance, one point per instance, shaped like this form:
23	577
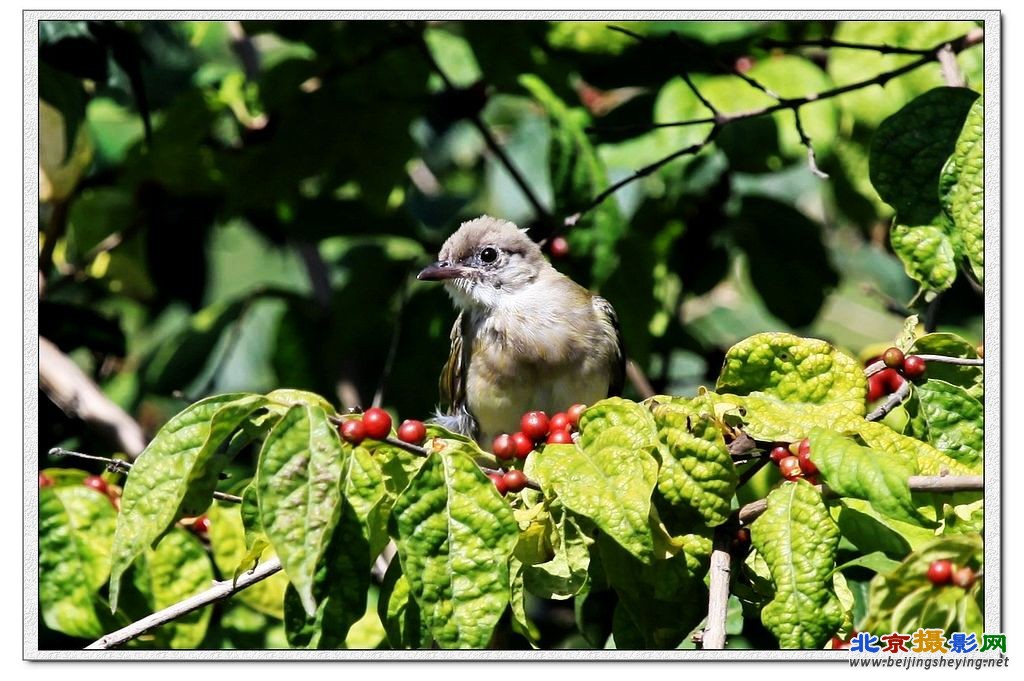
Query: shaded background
245	204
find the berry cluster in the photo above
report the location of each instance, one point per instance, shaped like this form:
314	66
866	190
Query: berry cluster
535	429
898	367
375	423
94	482
943	572
793	467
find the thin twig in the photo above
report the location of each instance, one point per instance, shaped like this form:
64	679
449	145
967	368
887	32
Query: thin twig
638	380
719	576
119	466
812	160
964	361
538	208
951	72
894	400
389	361
827	43
218	592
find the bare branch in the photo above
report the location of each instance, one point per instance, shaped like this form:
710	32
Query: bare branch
218	592
396	334
720	574
638	380
827	43
894	400
78	395
812	160
951	72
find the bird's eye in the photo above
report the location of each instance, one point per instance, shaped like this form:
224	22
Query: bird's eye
489	255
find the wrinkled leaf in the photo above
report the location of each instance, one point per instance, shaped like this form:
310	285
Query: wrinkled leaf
962	189
954	421
969	377
399	612
455	534
798	540
566	572
297	478
162	477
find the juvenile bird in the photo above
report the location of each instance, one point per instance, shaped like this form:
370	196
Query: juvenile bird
527	337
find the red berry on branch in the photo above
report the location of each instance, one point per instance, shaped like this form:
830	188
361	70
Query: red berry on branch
964	577
504	447
535	425
524	445
559	247
790	468
878	386
806	465
352	431
914	367
377	422
892	379
560	421
940	572
97	483
201	524
559	437
412	431
499	482
515	480
893	358
45	480
574	412
780	452
743	64
805	447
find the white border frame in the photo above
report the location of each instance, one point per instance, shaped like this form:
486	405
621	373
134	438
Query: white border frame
994	604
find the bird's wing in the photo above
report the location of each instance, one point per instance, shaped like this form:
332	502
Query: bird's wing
618	378
453	381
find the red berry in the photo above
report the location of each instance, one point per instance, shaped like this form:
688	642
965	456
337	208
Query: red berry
377	422
412	431
559	437
878	386
560	421
515	480
535	425
892	379
940	572
559	247
840	644
805	447
743	64
790	468
524	445
97	483
893	358
914	367
504	447
806	465
201	524
499	483
780	452
964	577
45	480
742	536
353	430
574	412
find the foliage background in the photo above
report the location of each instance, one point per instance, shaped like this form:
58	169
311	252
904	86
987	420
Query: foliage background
246	204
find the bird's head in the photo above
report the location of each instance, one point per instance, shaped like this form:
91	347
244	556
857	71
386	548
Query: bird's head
486	261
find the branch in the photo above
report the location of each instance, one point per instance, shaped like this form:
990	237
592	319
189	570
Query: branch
78	395
969	39
119	466
720	574
489	139
901	393
812	160
827	43
218	592
951	72
638	380
944	484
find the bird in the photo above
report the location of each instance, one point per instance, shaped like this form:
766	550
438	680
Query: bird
527	337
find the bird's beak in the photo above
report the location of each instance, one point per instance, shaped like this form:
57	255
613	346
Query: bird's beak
441	271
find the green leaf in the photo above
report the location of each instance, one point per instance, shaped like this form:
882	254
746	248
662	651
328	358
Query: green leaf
696	468
904	599
954	421
794	369
178	568
68	560
928	253
232	557
455	534
962	189
564	575
910	148
175	470
971	378
880	478
798	540
297	478
520	622
609	475
363	488
288	397
340	587
399	612
875	561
